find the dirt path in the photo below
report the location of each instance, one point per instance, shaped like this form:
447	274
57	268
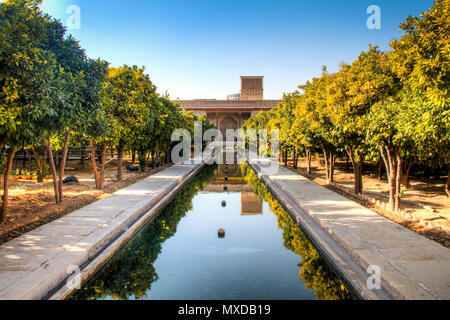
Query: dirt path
434	225
32	205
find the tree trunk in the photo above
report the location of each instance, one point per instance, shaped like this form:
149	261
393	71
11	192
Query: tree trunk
391	189
99	155
6	184
447	185
159	158
390	159
142	155
327	169
295	158
358	178
48	145
153	159
38	165
82	155
380	170
357	169
3	154
94	166
406	173
62	167
308	160
285	157
133	156
332	161
58	153
329	165
119	161
102	168
398	182
168	156
24	159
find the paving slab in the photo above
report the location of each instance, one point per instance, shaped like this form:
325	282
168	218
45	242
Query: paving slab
412	266
34	264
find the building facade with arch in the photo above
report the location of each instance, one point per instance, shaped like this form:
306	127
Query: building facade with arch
238	108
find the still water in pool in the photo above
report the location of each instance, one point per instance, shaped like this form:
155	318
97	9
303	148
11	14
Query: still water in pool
223	237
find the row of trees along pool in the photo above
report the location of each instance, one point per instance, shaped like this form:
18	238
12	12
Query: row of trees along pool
386	108
54	96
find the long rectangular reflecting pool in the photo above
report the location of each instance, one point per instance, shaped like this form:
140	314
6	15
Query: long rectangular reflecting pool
223	237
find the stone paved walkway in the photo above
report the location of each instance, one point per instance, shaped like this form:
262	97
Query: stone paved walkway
35	263
412	266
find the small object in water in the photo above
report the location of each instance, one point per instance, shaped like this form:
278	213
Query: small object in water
224	203
71	179
131	168
221	233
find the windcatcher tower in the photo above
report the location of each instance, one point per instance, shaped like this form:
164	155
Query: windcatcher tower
252	88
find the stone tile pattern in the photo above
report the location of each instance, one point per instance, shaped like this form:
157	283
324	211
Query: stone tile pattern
34	264
412	266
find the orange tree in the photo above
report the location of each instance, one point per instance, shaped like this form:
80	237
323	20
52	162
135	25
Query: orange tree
421	58
351	94
27	79
127	89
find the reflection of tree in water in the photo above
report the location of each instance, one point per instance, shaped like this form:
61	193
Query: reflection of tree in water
131	272
313	270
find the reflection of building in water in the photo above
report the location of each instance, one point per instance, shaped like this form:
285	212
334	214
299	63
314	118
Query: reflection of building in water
228	187
233	183
230	171
250	204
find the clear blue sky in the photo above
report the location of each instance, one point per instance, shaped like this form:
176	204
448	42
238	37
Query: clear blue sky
200	48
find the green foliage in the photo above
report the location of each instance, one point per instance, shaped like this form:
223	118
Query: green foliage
313	108
395	101
422	56
27	71
51	89
258	122
128	93
282	118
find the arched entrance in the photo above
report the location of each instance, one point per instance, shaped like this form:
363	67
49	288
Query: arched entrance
228	122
